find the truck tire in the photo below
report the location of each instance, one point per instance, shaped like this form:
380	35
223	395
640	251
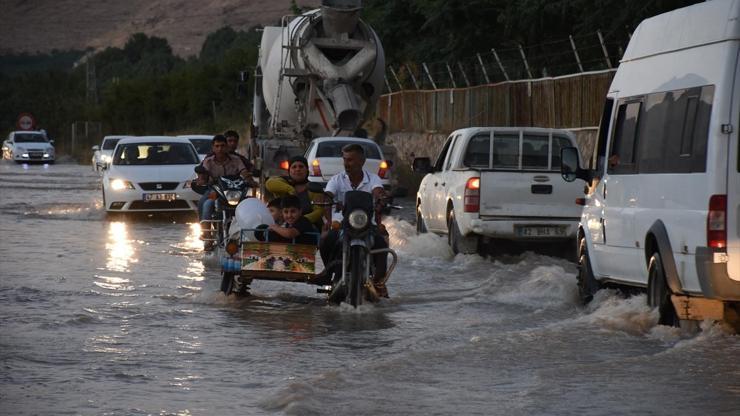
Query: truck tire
459	243
587	283
421	228
659	294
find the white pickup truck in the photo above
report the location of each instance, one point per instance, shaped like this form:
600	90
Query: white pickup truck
498	183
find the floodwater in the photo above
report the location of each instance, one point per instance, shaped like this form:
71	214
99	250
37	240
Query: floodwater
108	317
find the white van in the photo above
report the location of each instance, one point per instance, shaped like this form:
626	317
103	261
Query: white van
663	212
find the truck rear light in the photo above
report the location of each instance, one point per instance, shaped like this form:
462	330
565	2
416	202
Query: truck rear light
284	165
471	197
315	168
717	222
383	169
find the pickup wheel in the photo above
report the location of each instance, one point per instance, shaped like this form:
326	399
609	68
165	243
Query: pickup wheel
659	294
421	228
587	283
458	243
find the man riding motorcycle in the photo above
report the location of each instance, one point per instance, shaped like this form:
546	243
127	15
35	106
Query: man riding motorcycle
220	163
355	178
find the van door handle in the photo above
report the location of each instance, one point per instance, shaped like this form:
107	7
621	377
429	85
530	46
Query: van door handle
443	184
435	184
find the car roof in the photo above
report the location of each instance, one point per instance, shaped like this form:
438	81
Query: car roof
114	136
148	139
508	129
196	136
28	132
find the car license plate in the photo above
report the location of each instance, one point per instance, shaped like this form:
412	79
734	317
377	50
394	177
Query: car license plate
159	197
539	231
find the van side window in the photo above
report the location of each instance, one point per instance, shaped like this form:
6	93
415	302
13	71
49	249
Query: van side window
505	151
478	153
674	127
597	161
441	157
622	155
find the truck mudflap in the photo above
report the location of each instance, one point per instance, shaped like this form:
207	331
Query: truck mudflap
715	282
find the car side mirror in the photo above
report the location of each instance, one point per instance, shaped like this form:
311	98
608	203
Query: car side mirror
422	165
315	187
570	167
96	148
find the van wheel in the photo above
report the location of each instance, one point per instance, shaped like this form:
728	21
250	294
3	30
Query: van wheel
587	283
458	243
421	228
659	294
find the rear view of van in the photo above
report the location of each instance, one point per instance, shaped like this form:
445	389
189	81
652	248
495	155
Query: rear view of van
664	208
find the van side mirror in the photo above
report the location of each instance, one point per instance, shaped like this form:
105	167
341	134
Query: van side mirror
95	148
51	141
422	165
570	168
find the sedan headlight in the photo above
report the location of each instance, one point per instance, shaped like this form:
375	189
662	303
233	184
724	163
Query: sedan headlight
105	159
233	197
358	219
120	184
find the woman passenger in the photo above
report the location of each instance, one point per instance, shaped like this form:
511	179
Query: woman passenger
296	183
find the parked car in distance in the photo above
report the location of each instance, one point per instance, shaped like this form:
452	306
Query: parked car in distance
202	143
663	211
498	183
28	146
151	173
102	154
324	156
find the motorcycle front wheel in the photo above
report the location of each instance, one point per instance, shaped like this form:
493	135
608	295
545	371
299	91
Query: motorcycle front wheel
357	276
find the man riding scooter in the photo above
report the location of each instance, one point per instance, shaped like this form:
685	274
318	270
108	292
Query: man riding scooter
355	178
220	163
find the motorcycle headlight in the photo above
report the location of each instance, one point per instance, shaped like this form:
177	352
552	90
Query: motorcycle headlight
358	219
120	184
233	197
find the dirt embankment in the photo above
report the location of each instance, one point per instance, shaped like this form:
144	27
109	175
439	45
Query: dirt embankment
43	25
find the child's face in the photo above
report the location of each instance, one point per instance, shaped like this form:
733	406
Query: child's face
291	214
277	214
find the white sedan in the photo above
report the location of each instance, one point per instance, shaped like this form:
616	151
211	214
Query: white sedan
28	146
152	173
103	154
324	157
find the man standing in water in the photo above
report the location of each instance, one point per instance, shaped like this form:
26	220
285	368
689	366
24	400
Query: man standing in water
355	178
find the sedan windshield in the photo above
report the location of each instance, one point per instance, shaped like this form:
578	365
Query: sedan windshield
30	138
155	154
333	148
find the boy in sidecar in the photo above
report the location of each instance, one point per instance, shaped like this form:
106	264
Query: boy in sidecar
295	228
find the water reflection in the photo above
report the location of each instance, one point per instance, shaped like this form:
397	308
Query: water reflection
192	240
120	250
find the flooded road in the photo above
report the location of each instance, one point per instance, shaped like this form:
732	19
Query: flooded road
122	317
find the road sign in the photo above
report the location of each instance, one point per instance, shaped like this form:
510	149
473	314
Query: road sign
25	121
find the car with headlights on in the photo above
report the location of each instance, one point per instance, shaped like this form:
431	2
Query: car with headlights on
102	154
151	173
28	146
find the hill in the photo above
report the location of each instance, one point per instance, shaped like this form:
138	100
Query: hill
41	26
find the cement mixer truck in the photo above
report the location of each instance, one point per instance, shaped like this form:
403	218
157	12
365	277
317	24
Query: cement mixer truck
318	74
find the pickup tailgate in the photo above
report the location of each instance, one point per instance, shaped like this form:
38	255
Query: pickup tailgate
529	195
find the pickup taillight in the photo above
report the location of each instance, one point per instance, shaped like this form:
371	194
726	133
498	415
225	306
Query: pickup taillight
383	169
717	222
315	168
471	197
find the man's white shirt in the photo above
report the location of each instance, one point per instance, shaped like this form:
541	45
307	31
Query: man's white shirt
340	184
